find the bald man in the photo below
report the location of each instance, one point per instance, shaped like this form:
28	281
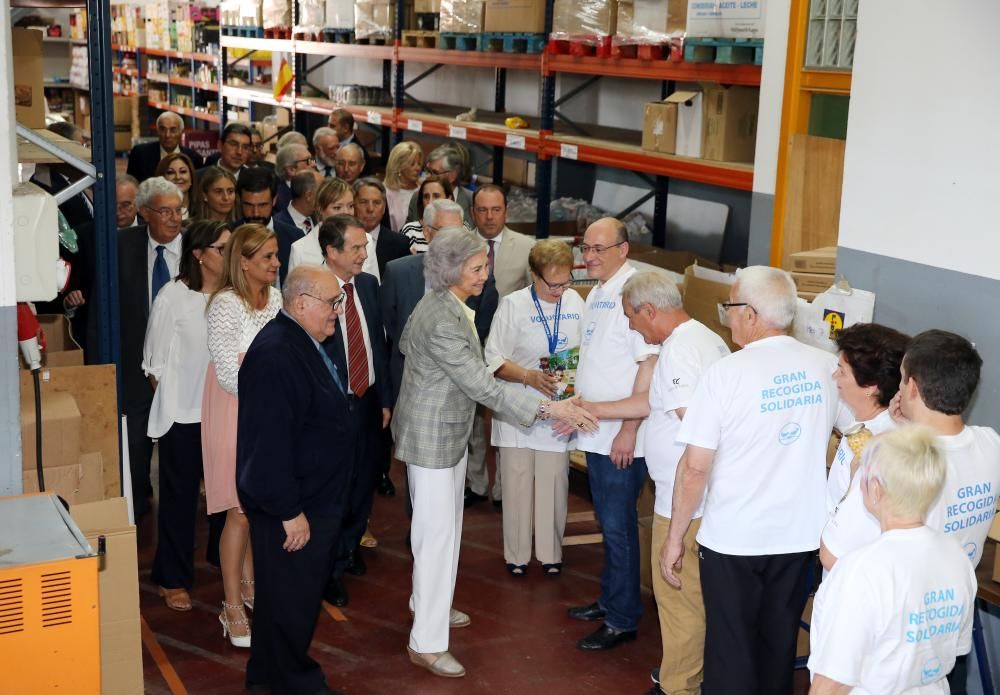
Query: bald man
143	158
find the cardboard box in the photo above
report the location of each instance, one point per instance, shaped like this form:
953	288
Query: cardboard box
657	18
461	16
704	290
646	564
659	122
726	19
427	6
76	483
118	580
29	93
730	123
812	282
61	350
123	108
816	261
690	125
60	429
373	19
521	16
584	18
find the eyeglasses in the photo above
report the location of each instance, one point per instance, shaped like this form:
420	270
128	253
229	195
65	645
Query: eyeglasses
237	145
334	303
597	248
555	287
724	308
167	212
432	172
307	160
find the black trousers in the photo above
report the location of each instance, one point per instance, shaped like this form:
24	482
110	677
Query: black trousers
140	453
289	591
180	482
753	605
372	450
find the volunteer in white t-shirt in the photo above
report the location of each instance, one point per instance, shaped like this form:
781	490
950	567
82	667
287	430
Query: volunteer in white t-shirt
893	615
940	373
756	431
541	321
867	378
615	362
654	308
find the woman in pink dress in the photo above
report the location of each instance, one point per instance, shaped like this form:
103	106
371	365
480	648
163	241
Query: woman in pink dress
244	303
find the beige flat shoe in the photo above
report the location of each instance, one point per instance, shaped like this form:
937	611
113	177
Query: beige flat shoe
456	619
439	663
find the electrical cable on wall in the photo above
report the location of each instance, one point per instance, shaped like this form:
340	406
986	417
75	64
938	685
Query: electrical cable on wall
28	332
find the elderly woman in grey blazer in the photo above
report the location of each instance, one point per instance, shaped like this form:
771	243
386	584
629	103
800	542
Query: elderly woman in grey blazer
444	376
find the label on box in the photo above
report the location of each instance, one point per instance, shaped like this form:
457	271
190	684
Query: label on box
515	142
567	151
457	132
374	117
415	125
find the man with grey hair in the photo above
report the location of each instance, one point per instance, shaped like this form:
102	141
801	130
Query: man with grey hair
325	145
143	158
757	426
291	481
291	160
443	161
654	308
148	257
349	162
384	245
292	137
301	207
126	191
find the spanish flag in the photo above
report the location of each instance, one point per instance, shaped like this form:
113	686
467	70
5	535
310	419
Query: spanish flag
283	80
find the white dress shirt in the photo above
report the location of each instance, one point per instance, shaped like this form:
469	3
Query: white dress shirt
299	220
371	263
171	253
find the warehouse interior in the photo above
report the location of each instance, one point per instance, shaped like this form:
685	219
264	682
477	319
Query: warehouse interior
836	139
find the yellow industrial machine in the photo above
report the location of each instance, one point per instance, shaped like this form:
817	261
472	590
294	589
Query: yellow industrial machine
49	625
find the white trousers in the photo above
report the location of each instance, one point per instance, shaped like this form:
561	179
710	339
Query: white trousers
435	538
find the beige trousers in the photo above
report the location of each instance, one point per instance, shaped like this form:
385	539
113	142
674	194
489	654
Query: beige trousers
535	486
681	613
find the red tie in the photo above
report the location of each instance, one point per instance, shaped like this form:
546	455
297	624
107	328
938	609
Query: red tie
489	254
357	358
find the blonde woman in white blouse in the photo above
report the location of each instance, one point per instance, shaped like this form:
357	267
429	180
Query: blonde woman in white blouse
174	358
246	301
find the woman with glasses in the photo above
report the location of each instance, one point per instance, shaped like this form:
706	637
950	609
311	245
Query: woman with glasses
215	196
175	358
244	303
179	170
333	197
535	326
431	188
402	175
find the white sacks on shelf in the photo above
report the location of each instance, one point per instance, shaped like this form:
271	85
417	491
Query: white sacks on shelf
276	14
339	14
36	244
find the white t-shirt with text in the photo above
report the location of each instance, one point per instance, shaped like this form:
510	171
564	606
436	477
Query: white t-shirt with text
839	479
767	411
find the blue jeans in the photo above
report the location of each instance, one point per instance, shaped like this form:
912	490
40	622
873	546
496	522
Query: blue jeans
615	493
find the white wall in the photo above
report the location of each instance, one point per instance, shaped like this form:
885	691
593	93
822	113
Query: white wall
921	174
772	89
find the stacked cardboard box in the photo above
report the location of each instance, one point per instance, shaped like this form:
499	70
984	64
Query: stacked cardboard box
517	16
813	271
731	20
650	21
575	19
461	16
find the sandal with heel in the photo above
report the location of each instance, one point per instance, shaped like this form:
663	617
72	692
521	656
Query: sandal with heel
227	625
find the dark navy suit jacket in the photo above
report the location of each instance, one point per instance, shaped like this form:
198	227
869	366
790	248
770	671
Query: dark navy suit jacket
295	438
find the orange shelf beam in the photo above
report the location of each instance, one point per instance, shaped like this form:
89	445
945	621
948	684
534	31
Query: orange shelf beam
474	59
654	69
833	82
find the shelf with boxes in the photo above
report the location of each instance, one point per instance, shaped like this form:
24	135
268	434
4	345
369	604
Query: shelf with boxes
185	82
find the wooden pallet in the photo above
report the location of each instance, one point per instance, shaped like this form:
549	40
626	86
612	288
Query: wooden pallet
670	50
420	39
725	51
597	46
511	42
458	42
338	35
281	33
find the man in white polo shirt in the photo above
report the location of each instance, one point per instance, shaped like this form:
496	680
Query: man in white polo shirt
654	308
614	363
756	431
940	373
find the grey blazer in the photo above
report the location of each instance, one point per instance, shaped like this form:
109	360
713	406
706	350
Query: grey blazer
443	378
511	271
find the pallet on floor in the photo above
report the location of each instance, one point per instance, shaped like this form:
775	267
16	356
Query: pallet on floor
724	51
596	46
331	35
511	42
458	42
420	39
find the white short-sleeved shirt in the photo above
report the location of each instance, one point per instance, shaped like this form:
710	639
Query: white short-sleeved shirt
609	355
684	356
517	335
839	479
892	616
175	352
767	411
963	511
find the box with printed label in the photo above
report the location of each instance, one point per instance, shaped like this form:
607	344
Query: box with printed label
520	16
28	87
816	261
726	19
730	123
659	122
812	282
584	18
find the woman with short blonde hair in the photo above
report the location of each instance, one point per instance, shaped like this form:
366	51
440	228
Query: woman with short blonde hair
402	176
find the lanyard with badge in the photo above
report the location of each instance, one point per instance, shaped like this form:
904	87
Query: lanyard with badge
552	334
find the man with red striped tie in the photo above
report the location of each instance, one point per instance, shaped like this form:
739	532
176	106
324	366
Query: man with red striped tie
360	351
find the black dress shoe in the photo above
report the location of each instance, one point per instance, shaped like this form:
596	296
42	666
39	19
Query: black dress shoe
605	637
472	498
356	566
591	612
385	487
336	593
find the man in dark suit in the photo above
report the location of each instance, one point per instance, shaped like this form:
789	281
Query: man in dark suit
289	161
234	149
148	257
359	347
256	193
294	453
370	207
301	207
143	158
257	153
